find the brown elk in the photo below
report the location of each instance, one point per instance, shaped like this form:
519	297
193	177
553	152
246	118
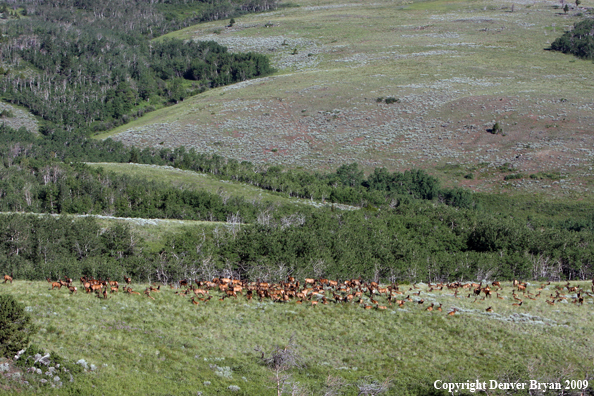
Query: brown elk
114	289
200	291
56	284
8	278
72	289
453	312
147	291
490	309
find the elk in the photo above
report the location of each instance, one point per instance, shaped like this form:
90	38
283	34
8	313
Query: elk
56	284
490	309
453	312
202	292
8	278
72	289
147	291
114	289
193	301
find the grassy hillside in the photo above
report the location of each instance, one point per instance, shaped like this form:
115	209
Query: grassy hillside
455	68
206	182
170	346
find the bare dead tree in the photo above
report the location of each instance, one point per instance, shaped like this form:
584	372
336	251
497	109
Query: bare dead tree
264	218
319	268
281	360
335	386
371	387
234	223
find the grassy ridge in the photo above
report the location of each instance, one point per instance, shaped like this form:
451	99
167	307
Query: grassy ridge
169	346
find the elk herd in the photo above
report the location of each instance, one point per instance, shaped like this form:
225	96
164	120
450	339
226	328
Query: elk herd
312	292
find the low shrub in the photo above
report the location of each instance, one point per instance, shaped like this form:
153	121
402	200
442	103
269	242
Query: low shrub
15	326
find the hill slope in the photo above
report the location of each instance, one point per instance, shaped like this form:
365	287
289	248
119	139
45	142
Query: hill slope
455	69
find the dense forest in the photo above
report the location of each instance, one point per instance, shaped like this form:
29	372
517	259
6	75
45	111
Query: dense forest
92	64
416	242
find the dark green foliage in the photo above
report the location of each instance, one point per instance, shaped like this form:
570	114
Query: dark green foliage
231	22
469	176
15	326
514	176
579	41
6	114
545	175
566	8
390	100
496	129
104	73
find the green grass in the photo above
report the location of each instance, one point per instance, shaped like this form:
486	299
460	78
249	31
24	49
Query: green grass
170	346
201	181
451	63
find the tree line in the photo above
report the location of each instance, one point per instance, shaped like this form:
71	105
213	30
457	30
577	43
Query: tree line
412	243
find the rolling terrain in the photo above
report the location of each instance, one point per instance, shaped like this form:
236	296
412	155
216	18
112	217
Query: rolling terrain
454	69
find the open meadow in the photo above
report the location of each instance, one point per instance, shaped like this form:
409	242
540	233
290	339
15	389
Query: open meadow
164	344
451	69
